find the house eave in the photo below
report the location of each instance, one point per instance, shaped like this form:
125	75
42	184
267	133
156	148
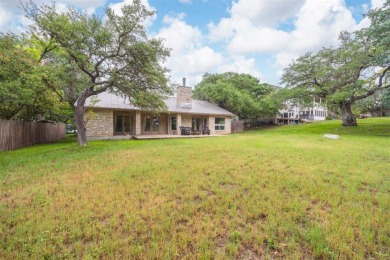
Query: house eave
168	111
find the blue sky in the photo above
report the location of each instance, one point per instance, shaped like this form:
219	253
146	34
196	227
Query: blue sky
259	37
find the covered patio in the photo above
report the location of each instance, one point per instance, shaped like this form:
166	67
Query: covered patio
148	137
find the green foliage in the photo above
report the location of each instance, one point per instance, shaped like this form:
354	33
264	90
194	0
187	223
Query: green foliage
241	94
22	93
375	104
333	73
386	99
114	53
355	70
109	53
378	31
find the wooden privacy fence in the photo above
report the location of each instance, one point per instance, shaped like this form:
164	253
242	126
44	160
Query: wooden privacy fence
237	126
15	134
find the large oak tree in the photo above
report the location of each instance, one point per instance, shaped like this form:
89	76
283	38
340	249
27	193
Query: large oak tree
112	51
355	70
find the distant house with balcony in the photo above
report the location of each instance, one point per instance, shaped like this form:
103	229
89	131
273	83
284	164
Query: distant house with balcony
294	112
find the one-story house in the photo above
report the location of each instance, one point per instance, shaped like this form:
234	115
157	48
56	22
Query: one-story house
114	115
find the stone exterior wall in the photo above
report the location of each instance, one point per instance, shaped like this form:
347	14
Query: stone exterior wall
184	96
100	122
186	120
138	124
228	125
212	125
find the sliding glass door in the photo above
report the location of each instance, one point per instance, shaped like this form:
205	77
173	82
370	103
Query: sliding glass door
151	124
195	124
122	124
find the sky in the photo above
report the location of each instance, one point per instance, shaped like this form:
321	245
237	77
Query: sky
258	37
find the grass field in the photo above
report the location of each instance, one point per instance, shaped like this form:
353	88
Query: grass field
282	192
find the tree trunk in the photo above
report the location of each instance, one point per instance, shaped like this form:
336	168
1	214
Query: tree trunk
348	117
79	120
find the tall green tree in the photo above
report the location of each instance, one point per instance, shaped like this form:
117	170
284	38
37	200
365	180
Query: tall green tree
113	52
241	94
23	96
355	70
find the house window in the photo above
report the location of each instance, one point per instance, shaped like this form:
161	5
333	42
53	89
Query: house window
173	123
219	123
122	124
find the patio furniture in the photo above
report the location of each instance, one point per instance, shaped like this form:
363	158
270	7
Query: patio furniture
184	130
196	132
205	130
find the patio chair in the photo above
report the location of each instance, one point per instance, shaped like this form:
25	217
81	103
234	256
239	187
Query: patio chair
205	130
185	130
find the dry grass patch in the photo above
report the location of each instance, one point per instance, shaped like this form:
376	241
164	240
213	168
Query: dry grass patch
278	193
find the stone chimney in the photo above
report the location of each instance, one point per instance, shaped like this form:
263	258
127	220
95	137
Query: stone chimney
184	96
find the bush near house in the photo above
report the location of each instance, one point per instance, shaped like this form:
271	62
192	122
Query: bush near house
284	192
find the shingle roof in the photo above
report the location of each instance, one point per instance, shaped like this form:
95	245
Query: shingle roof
110	100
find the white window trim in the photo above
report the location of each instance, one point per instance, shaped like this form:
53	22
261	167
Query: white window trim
219	125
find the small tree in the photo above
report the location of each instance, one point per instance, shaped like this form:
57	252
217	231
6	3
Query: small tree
112	52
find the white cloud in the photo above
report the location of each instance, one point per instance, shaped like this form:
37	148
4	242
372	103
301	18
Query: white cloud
190	57
178	35
5	16
12	16
85	4
118	10
198	61
89	6
265	12
222	31
117	7
256	27
317	24
365	22
377	3
259	40
241	65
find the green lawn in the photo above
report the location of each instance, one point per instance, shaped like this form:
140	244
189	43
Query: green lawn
283	192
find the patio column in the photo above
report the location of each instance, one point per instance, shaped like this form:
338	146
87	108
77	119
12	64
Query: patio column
212	125
138	125
178	124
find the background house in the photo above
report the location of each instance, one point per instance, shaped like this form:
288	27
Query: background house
114	115
293	112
